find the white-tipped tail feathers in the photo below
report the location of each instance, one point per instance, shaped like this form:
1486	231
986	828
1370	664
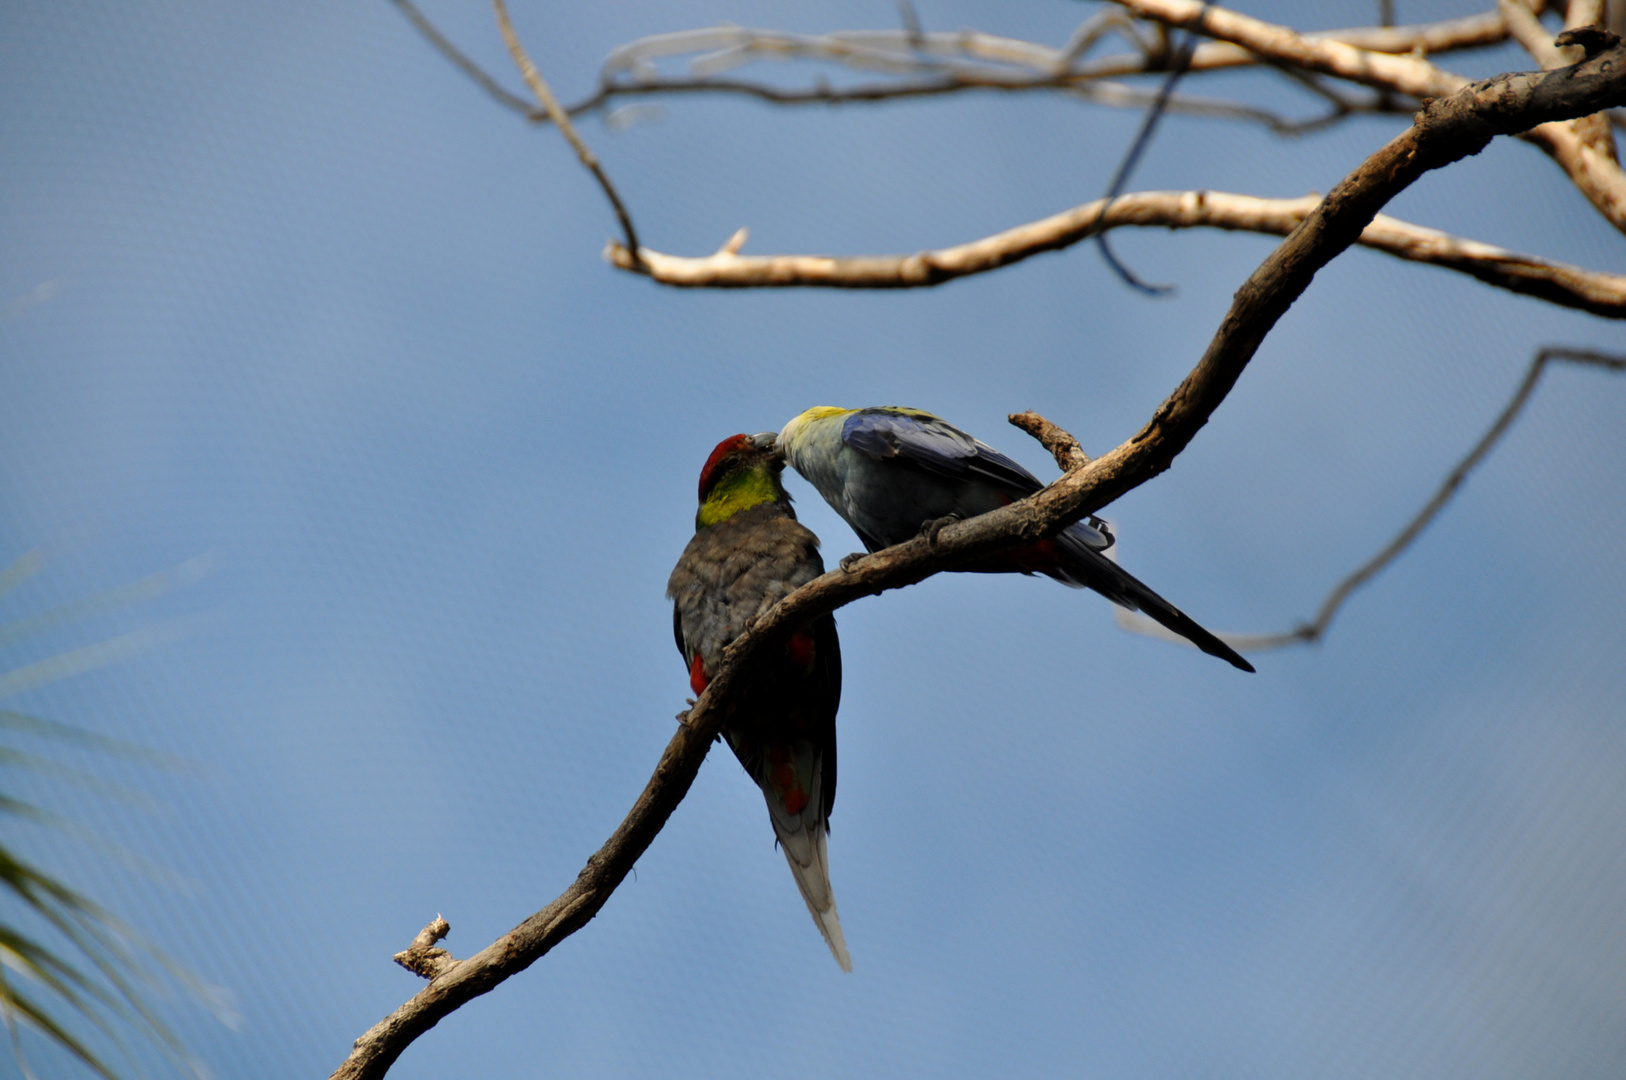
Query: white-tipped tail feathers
802	838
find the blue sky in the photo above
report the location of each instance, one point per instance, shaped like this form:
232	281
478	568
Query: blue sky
329	316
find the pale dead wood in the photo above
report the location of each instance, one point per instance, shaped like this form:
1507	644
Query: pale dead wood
421	957
1445	131
978	61
1092	89
1571	286
1408	74
1597	176
1527	30
1062	446
947	63
1593	131
976	53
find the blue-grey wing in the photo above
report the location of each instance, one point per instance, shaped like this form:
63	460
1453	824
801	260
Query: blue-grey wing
935	445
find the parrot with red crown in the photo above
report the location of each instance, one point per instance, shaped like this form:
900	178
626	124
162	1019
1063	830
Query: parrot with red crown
748	552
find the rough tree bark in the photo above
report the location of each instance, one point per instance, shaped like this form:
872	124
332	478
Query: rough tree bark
1444	131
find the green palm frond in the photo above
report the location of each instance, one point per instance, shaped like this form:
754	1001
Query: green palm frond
106	972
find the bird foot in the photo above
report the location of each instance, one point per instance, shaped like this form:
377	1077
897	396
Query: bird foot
1101	527
932	528
847	561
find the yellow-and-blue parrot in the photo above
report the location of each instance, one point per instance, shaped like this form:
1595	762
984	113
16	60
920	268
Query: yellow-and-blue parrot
890	472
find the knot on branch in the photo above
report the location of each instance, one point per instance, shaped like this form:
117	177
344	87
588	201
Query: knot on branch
1592	39
1461	123
422	958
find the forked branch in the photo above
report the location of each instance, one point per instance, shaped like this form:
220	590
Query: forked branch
1445	131
544	95
1597	176
916	64
1313	631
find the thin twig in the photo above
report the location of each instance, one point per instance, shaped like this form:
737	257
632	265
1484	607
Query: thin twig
1307	633
1095	91
420	22
1431	509
1570	286
1062	446
1445	131
1143	138
421	957
1593	172
1021	66
539	87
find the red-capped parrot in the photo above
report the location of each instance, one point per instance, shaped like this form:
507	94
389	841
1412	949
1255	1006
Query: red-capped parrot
748	552
890	472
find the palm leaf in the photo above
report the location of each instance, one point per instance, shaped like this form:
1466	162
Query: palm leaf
107	978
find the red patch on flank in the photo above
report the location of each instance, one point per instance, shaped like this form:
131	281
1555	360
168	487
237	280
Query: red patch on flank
1033	558
698	679
795	800
800	650
722	450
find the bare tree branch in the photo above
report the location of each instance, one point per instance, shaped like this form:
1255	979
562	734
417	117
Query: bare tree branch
1431	509
977	55
1571	286
1445	131
1061	444
1597	176
1088	83
974	61
1179	61
1098	91
420	22
1591	131
1310	632
539	87
421	957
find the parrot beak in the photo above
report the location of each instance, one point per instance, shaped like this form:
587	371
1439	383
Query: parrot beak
764	440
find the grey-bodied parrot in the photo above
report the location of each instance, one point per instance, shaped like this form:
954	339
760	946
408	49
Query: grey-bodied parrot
748	552
890	472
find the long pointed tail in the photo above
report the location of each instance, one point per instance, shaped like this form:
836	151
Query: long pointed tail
1085	566
791	775
809	864
794	789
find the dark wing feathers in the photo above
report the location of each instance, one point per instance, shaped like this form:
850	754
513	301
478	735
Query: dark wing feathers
826	686
935	445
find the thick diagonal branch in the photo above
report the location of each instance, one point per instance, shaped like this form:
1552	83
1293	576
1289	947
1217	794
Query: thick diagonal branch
1597	176
1444	132
1310	632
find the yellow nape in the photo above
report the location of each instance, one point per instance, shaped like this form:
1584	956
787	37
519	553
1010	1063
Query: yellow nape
791	434
738	490
819	412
